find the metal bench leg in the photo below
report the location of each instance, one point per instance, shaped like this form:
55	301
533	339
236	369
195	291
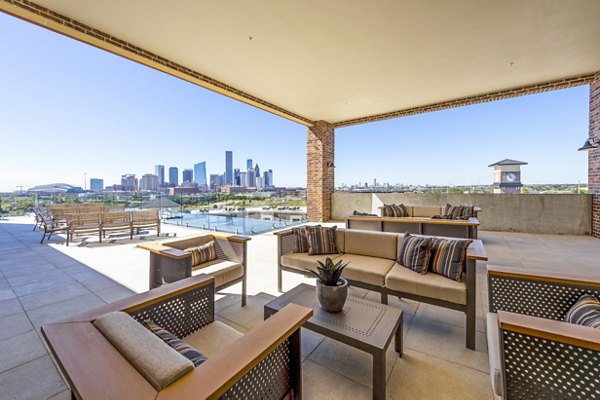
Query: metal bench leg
379	375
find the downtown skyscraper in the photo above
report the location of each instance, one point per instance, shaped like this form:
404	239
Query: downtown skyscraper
229	168
159	171
200	175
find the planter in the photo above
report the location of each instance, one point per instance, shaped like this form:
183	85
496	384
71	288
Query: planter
332	298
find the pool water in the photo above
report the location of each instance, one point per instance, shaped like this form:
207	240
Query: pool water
221	223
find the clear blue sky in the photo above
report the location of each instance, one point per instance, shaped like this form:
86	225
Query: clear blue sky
67	108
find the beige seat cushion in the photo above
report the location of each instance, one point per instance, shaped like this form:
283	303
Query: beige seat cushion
426	211
160	364
374	244
302	261
213	338
429	285
222	270
493	339
371	270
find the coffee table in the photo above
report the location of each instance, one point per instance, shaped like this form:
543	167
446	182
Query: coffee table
362	324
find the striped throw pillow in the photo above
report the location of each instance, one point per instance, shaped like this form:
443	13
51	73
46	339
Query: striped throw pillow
321	240
182	347
387	210
586	312
399	210
203	254
301	236
449	257
459	212
415	253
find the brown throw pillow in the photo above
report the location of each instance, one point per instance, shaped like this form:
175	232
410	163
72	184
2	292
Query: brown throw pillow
203	254
459	212
415	253
449	257
321	240
301	236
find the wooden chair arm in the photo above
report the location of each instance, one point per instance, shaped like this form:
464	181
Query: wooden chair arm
214	377
552	330
145	299
544	276
476	251
283	233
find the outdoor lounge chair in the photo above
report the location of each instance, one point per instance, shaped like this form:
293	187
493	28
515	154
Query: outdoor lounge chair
533	352
263	363
51	226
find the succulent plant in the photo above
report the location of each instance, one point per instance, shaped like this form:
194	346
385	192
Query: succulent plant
329	272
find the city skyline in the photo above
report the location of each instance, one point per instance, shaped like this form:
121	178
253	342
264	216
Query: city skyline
104	116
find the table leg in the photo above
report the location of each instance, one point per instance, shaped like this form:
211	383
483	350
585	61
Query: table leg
379	375
398	337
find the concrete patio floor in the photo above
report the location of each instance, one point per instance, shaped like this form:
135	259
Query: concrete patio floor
42	282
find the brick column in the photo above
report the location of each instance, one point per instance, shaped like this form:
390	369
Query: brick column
594	155
320	140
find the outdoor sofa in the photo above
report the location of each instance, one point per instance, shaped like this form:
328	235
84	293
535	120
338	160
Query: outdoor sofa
97	358
421	220
533	352
172	260
372	265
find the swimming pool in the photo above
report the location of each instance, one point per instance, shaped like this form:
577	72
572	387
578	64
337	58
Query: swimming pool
222	223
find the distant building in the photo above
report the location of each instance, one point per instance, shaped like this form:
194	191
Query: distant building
188	175
129	183
193	189
234	189
268	178
216	182
96	184
507	176
55	188
200	175
229	168
259	182
249	163
173	176
244	179
149	182
159	170
236	177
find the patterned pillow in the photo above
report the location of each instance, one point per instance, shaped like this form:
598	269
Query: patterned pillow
182	347
415	253
386	210
586	312
321	240
459	212
363	214
394	210
301	236
449	257
204	253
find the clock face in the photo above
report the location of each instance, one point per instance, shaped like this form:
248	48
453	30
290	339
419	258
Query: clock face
510	177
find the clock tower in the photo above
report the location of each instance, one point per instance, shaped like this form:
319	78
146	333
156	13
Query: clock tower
507	176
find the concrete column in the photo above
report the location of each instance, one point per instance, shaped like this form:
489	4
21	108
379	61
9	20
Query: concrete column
320	140
594	155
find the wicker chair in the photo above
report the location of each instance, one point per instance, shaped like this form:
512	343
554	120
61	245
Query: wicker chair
263	363
534	354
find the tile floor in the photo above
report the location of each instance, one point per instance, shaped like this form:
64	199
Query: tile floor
42	282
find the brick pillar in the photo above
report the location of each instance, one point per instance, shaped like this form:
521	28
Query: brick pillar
320	140
594	155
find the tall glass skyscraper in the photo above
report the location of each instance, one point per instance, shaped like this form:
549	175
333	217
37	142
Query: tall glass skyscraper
229	168
159	171
249	163
173	176
200	175
188	175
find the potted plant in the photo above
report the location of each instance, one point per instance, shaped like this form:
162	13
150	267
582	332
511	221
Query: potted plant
332	289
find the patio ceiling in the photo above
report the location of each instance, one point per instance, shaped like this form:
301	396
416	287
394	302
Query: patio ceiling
342	60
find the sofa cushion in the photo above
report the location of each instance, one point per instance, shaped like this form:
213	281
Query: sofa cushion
428	285
449	257
415	253
322	240
374	244
213	338
586	312
203	254
459	212
304	261
493	339
366	269
425	211
153	358
179	345
301	237
222	270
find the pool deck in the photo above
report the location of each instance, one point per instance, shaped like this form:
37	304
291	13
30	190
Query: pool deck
42	282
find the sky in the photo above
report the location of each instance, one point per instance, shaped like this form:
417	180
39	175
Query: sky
68	110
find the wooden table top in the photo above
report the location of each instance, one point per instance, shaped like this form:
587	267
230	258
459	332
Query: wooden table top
363	324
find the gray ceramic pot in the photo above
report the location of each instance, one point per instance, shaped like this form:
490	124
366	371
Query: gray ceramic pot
332	298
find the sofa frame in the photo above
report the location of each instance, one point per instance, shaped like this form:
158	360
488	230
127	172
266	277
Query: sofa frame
286	244
94	369
542	356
